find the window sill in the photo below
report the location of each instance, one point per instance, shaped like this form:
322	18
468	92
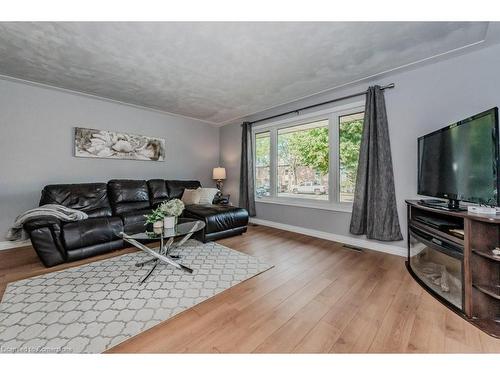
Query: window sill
339	207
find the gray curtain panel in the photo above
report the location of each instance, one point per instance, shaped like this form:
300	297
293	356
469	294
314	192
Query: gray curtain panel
247	198
374	211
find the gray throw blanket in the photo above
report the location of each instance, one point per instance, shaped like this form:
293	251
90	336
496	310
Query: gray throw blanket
57	211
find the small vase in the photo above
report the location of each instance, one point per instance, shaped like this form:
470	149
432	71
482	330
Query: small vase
169	222
157	226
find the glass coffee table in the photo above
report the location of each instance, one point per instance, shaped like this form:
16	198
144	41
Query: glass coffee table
184	227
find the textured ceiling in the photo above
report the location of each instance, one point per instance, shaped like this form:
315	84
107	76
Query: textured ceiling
217	72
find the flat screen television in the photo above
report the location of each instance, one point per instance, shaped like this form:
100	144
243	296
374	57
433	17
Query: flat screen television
460	162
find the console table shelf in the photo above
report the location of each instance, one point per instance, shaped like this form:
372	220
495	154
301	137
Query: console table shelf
486	254
488	326
492	291
458	269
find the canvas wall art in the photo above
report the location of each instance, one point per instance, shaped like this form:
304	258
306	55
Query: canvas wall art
93	143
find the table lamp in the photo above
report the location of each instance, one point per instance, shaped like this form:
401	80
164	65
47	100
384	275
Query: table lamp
219	174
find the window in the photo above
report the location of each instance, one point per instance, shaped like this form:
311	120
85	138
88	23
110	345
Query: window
311	160
350	131
303	161
262	164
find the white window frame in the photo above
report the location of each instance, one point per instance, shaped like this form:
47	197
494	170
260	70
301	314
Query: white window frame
332	115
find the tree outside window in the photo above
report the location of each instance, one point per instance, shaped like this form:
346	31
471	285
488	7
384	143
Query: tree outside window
302	159
350	132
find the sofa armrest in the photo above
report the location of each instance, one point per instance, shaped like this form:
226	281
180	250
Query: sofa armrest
223	220
41	222
45	235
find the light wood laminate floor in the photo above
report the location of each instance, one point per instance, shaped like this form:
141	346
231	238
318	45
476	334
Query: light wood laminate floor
319	298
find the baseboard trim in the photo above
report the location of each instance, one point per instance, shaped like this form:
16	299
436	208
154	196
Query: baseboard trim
358	242
5	245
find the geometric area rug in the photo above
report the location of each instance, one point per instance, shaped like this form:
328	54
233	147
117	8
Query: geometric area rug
93	307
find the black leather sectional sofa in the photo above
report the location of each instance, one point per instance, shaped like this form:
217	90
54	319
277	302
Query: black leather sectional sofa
116	206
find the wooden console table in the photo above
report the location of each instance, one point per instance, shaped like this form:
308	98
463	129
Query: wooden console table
480	276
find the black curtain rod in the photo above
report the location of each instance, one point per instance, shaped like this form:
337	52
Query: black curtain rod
389	86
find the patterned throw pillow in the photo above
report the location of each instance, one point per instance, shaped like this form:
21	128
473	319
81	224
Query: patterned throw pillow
191	196
207	195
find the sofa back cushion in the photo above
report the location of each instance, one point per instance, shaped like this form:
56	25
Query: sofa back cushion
191	196
207	195
175	188
128	195
157	192
89	198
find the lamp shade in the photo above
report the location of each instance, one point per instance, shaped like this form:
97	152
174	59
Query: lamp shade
219	173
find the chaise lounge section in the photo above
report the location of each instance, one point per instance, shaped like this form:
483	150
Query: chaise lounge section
116	206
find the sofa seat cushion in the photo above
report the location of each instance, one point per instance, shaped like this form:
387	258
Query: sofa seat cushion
91	231
218	217
134	222
90	251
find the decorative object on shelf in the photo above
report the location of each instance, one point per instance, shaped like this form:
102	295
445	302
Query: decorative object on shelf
219	174
93	143
458	233
496	251
171	210
485	210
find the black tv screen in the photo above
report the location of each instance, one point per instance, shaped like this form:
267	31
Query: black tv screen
460	161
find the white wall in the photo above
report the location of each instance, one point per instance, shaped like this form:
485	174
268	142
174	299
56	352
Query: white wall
36	144
424	99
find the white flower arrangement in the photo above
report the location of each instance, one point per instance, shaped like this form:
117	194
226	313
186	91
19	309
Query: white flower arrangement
172	207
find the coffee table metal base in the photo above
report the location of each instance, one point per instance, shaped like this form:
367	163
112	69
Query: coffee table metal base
160	256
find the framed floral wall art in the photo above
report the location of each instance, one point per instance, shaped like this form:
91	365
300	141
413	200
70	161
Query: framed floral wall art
93	143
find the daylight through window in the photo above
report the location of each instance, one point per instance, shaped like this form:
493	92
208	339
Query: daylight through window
303	161
313	160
